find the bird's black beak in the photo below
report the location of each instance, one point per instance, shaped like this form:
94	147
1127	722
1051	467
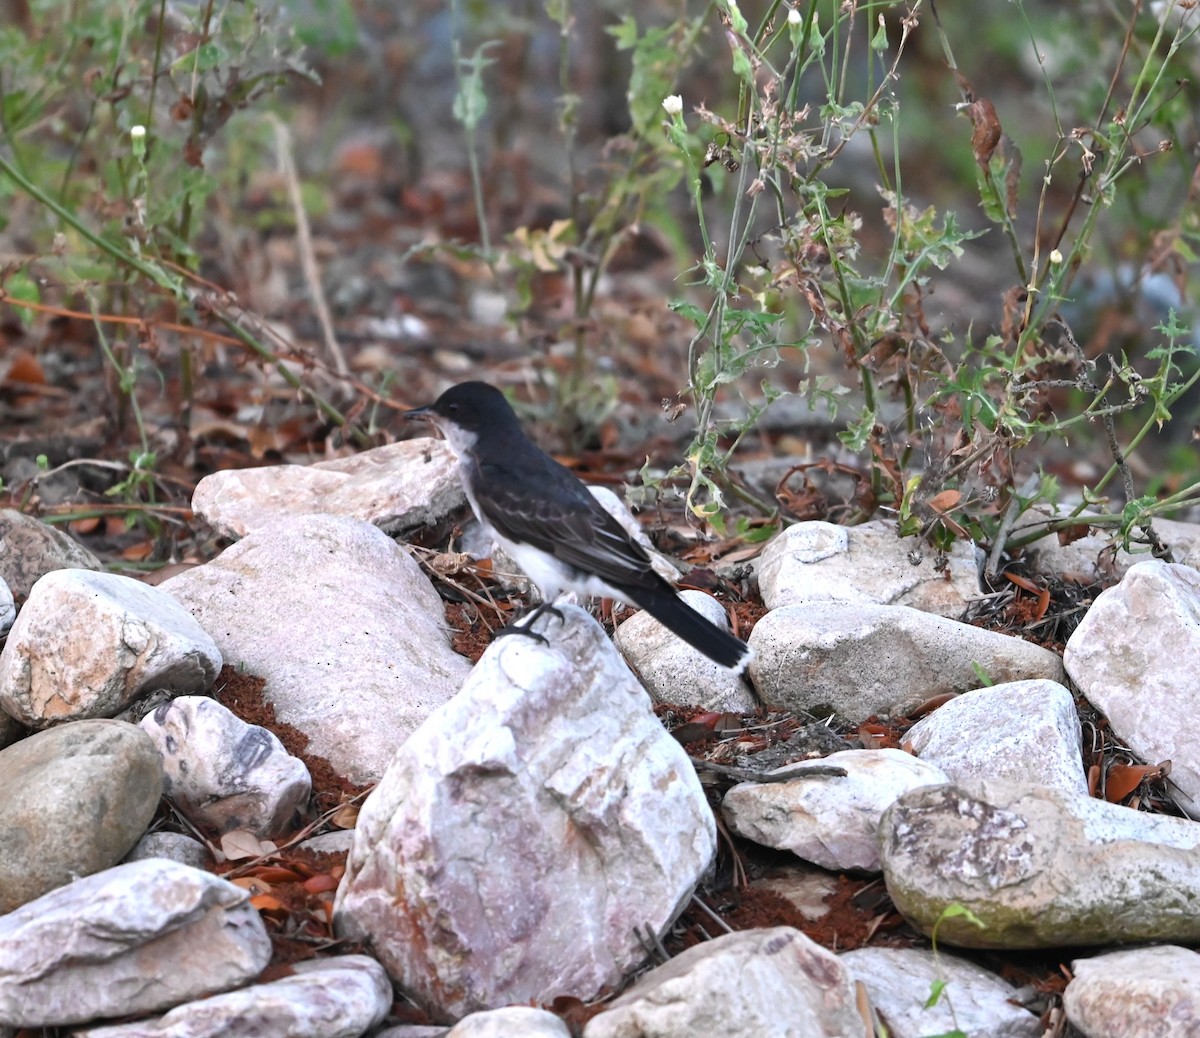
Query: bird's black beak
420	414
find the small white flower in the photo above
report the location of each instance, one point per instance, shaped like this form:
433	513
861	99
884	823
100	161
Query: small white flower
795	17
1056	257
137	132
673	105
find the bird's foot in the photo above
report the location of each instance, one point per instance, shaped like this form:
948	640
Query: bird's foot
521	629
524	625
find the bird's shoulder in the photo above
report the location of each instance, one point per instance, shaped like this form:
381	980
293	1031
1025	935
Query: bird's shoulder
532	499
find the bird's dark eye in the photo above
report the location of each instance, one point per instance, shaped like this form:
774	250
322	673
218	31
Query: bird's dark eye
452	408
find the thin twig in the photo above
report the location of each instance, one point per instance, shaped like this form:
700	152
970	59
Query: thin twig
1086	366
1011	514
750	775
308	259
712	915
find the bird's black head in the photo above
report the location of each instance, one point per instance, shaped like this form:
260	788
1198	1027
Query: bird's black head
470	406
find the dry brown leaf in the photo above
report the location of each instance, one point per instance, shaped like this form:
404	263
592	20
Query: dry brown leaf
945	501
240	845
1070	534
931	704
1123	779
345	817
25	367
268	904
320	883
277	874
138	552
82	527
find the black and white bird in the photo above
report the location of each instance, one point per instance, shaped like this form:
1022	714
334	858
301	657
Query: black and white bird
552	526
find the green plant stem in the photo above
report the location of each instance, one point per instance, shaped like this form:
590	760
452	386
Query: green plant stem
148	270
157	276
289	376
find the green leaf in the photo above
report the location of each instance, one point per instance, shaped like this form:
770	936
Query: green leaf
655	63
625	32
688	311
856	434
984	679
956	911
20	287
935	993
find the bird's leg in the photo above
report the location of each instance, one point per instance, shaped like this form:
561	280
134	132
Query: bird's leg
525	624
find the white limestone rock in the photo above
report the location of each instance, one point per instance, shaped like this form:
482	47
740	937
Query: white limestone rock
88	644
224	774
341	997
674	672
1098	556
29	549
832	822
526	830
399	486
1040	868
173	846
973	1002
510	1022
869	564
8	607
1137	993
346	630
1134	656
132	939
1017	731
857	660
770	983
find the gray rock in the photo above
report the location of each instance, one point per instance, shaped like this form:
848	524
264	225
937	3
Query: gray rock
337	842
132	939
1139	993
76	799
1134	656
674	672
973	1002
772	983
356	681
858	660
88	644
832	822
527	830
8	607
29	549
510	1022
224	774
396	487
1040	868
1099	557
869	564
340	997
414	1031
174	847
1017	731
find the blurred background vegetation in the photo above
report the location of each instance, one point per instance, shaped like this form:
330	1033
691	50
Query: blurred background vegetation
929	245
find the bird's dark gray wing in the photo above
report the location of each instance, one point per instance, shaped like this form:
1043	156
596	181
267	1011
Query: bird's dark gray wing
534	500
